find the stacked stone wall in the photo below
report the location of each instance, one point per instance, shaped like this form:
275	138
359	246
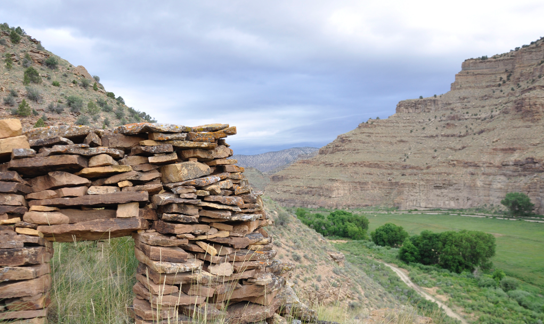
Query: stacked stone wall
197	225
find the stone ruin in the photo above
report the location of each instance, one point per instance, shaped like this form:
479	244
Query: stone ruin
197	225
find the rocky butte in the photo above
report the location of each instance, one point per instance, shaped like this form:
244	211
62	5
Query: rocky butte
465	148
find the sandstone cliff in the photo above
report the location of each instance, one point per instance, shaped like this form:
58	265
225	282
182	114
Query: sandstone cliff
466	148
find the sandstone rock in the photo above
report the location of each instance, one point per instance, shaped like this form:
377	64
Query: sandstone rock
142	309
66	131
221	162
50	141
78	215
72	192
25	288
191	145
211	137
11	176
149	143
93	230
148	176
42	165
29	303
166	254
12	200
84	150
166	198
45	218
57	179
184	171
124	184
168	267
190	210
14	187
170	228
200	182
163	158
21	153
103	171
10	128
95	200
150	188
209	128
134	160
218	206
8	144
120	141
23	256
27	231
167	136
133	129
9	221
102	190
131	175
226	200
101	160
151	150
92	140
43	208
128	210
24	273
179	218
158	239
34	316
222	269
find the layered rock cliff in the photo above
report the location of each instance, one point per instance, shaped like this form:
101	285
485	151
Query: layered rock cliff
466	148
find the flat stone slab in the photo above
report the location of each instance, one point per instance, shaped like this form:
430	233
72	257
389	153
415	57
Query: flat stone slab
93	230
57	179
42	165
95	200
138	128
184	171
10	143
59	131
14	187
168	267
10	127
103	171
23	256
50	141
86	151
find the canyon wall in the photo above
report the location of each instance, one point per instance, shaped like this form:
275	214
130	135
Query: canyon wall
465	148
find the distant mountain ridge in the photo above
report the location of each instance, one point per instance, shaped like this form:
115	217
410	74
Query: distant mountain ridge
271	162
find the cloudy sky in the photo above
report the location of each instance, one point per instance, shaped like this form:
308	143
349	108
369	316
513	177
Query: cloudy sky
286	72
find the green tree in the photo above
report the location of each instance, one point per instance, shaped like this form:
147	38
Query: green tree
39	123
51	62
389	234
428	245
31	75
24	109
465	250
409	252
518	203
498	275
14	37
95	87
9	61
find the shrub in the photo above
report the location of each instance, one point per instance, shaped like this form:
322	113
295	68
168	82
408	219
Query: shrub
56	84
85	83
420	97
39	123
31	75
34	94
9	101
95	87
465	250
282	219
8	61
44	117
337	223
96	78
110	95
92	108
509	283
34	112
486	282
119	113
409	252
75	103
3	42
51	62
121	100
106	121
27	61
14	37
82	120
101	102
498	275
24	109
389	234
58	108
518	203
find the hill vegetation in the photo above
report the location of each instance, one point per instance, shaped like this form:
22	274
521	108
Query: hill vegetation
42	89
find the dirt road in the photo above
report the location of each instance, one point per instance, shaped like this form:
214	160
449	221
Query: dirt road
420	291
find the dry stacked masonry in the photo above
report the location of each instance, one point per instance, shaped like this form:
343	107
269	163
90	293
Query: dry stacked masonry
197	225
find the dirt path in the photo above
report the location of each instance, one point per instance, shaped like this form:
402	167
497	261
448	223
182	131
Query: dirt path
420	291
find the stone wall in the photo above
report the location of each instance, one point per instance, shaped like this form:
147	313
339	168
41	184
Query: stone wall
197	226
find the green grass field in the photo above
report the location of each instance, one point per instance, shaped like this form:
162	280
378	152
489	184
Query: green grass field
520	244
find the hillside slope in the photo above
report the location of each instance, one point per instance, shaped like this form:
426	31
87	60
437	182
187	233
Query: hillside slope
271	162
462	149
58	92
